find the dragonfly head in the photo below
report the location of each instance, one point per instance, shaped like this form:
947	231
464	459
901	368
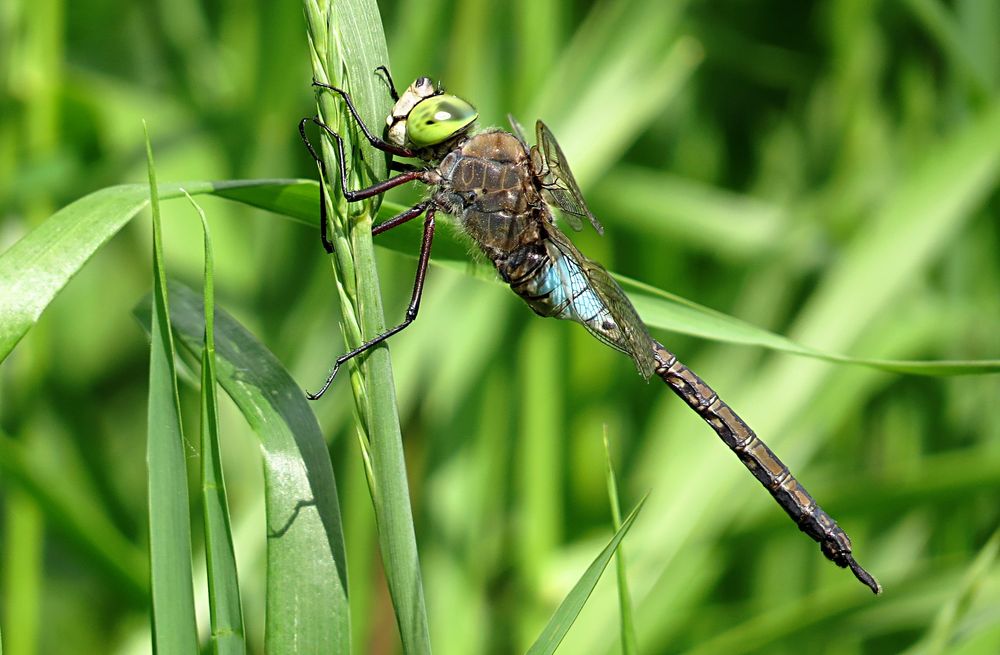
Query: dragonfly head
426	116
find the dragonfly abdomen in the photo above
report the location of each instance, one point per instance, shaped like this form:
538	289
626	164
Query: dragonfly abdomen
556	287
762	462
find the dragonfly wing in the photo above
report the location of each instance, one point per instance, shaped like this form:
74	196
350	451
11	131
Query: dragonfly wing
518	130
558	183
625	331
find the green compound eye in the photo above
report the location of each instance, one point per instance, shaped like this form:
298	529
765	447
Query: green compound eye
437	119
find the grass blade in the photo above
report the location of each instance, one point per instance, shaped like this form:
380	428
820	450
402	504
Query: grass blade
174	627
347	44
944	632
661	309
658	308
307	608
223	583
629	642
23	571
90	529
568	610
36	268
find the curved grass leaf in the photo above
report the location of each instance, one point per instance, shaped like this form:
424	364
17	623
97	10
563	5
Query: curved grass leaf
36	268
307	608
665	310
569	609
658	308
223	584
174	626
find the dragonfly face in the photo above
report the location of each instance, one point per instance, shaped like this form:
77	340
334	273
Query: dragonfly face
505	195
426	116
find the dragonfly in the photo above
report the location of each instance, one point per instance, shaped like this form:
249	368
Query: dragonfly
504	195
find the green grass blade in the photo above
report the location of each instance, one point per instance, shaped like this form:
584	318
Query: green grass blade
307	608
36	268
942	28
23	580
658	308
347	44
174	627
568	610
83	523
226	610
541	509
629	641
945	629
661	309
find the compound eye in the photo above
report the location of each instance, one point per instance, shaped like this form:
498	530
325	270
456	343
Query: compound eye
437	119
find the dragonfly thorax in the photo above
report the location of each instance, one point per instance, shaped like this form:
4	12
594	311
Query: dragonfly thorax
488	184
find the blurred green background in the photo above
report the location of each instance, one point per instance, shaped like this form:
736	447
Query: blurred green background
757	157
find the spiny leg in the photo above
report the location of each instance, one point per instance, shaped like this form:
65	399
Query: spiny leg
368	192
400	218
388	79
411	311
351	196
376	142
402	166
323	227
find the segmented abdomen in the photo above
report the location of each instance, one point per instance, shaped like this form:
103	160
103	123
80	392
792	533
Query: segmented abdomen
762	462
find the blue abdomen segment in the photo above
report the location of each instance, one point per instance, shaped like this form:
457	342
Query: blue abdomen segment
560	289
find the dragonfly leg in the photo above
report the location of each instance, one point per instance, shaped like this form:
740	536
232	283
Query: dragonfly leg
400	218
359	194
323	224
351	196
411	311
388	79
376	142
402	166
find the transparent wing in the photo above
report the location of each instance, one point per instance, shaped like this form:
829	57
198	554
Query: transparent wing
627	333
558	183
518	129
